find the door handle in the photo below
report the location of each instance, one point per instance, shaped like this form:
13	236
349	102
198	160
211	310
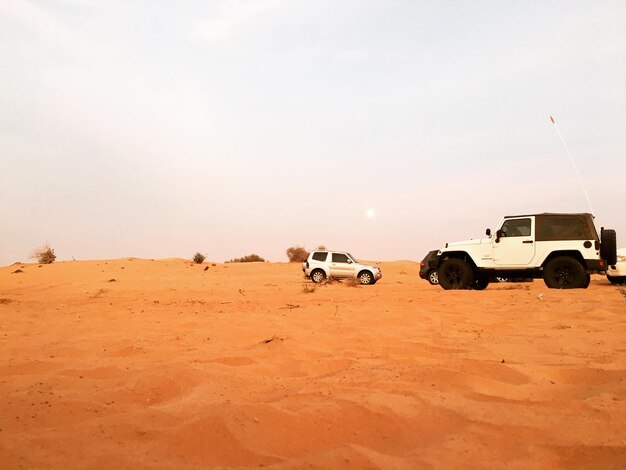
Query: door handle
527	241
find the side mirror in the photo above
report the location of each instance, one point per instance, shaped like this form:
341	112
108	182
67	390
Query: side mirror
488	232
499	233
349	261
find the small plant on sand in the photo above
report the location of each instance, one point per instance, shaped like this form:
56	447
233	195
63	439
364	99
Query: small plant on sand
308	288
247	259
352	282
198	258
44	255
297	254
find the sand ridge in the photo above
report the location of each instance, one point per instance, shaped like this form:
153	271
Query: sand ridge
138	363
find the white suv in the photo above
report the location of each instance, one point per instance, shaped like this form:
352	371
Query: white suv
563	249
339	264
616	274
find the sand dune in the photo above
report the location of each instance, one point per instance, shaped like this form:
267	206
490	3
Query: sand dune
160	364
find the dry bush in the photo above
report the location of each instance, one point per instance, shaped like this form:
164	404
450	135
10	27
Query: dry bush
44	255
198	258
308	288
297	254
353	282
247	259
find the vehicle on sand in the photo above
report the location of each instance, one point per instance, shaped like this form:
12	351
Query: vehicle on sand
563	249
616	273
322	265
428	273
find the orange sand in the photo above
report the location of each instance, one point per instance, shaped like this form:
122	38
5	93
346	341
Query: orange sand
159	364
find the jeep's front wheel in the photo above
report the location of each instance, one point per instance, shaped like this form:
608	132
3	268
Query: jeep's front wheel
564	272
455	273
318	276
433	277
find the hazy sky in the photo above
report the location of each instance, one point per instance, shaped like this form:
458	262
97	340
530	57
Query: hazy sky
161	128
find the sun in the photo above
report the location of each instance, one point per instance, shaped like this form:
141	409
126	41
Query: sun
370	213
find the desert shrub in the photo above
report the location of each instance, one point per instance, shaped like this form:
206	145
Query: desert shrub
198	258
353	282
246	259
297	254
44	255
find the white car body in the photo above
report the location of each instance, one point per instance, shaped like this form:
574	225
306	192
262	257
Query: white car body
522	250
616	273
322	264
563	249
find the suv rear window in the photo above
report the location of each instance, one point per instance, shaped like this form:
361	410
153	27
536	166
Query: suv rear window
320	255
563	227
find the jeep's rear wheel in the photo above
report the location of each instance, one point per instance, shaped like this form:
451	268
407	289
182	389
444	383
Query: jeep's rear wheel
318	276
365	278
433	277
608	246
455	273
564	272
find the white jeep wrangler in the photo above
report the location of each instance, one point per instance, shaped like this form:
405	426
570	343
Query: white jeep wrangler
339	264
563	249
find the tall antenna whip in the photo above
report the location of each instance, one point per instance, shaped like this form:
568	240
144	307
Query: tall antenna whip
573	162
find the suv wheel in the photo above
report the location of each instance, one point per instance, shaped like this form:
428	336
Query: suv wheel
616	279
318	276
455	273
433	277
564	272
365	278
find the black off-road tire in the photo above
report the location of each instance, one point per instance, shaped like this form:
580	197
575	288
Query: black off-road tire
608	246
564	272
318	276
618	280
366	278
433	277
481	282
588	281
455	273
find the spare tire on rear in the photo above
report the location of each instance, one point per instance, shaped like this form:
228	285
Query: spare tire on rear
608	246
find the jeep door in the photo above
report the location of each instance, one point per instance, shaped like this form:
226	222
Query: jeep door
514	243
341	265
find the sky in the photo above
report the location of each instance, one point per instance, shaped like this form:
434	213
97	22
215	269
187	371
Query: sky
157	129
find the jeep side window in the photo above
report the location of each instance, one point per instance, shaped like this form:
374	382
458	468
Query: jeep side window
340	258
320	255
516	228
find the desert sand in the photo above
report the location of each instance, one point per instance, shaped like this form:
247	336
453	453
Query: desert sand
165	364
